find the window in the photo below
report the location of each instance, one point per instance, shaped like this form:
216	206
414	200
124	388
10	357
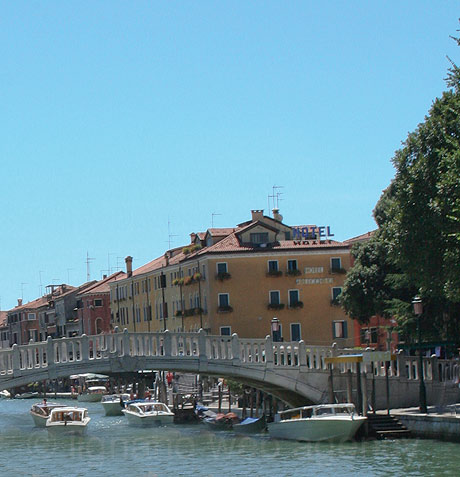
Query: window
292	265
225	331
336	264
339	329
272	266
97	302
336	291
295	332
222	267
293	297
98	325
259	238
374	335
224	300
274	297
31	316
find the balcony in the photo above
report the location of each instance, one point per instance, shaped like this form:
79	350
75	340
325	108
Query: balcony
295	305
293	273
274	273
335	302
223	276
224	309
338	271
275	306
190	312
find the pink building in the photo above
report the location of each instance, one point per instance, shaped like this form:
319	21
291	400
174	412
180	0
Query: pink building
94	306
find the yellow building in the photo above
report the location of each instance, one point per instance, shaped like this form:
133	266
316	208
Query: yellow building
261	277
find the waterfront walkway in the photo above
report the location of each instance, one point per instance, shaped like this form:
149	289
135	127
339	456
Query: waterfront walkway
441	423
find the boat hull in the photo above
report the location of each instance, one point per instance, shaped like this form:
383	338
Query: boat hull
253	427
112	408
148	421
87	397
39	421
335	429
70	428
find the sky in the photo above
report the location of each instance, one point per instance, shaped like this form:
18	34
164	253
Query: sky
125	126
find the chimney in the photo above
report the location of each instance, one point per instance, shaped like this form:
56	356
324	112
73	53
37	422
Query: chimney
129	265
257	215
19	301
277	216
104	276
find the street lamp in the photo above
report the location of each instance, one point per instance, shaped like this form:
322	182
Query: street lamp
275	324
418	310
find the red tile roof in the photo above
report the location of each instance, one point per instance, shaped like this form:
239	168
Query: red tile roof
3	318
361	238
102	286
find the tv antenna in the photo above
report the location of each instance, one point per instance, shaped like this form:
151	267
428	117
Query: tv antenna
170	235
214	214
88	261
275	196
41	283
22	289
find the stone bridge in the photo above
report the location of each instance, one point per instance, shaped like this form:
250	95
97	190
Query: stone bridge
292	371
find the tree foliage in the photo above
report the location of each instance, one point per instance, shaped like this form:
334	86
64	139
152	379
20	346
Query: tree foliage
417	247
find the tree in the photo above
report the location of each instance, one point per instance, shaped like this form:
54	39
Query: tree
417	247
418	215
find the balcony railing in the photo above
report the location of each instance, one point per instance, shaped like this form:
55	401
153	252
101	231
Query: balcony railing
293	273
224	309
274	273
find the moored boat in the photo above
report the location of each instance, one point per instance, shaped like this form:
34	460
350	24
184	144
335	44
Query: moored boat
251	425
324	422
148	413
221	422
92	394
41	411
68	419
113	404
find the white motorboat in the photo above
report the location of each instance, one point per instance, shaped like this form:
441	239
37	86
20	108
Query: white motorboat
113	404
148	413
5	394
324	422
92	394
41	411
68	419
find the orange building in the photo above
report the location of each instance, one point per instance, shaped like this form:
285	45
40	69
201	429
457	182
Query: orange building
261	277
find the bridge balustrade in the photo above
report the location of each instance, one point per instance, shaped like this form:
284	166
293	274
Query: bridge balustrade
252	351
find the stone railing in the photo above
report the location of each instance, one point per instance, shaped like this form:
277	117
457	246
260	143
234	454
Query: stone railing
200	346
81	349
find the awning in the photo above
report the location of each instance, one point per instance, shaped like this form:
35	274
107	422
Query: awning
365	357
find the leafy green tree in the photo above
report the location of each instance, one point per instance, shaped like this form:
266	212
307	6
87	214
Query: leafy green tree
417	247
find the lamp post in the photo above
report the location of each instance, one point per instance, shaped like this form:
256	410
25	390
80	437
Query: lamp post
418	310
275	324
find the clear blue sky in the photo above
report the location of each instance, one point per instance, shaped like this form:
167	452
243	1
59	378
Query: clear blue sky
118	117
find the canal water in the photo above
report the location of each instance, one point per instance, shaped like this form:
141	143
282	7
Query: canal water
112	448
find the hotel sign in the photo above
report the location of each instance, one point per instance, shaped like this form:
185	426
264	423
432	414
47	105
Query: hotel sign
312	232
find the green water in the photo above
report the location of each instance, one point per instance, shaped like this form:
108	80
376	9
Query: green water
112	448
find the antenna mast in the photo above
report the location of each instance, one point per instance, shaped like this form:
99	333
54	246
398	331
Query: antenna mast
88	260
214	214
170	235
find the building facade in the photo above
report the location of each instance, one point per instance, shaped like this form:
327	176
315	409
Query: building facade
93	306
261	277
